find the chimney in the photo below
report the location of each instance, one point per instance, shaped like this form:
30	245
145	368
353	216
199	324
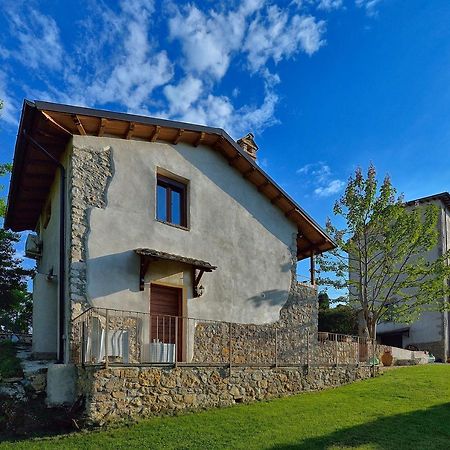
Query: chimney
248	144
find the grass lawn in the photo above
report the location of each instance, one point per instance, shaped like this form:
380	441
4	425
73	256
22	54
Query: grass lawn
407	408
9	363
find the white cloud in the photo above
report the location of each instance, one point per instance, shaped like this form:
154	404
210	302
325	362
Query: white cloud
277	36
120	58
333	187
369	5
208	40
319	175
328	5
37	38
10	111
137	69
180	97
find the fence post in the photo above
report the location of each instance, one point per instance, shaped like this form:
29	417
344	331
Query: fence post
83	340
373	358
106	339
358	356
176	341
230	356
336	349
276	346
307	352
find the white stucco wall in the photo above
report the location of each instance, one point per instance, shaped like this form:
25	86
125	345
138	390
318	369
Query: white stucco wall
231	225
45	292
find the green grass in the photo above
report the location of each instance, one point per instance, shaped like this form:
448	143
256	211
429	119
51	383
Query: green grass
407	408
9	363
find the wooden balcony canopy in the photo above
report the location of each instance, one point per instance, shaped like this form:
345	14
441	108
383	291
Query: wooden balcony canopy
157	255
53	125
147	255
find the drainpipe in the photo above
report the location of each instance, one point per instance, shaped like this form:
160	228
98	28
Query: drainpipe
62	358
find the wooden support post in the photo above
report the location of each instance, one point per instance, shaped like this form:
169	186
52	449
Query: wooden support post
313	268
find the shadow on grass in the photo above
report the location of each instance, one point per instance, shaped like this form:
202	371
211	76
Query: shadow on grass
422	429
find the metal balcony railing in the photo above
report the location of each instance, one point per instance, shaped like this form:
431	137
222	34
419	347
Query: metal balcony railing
109	336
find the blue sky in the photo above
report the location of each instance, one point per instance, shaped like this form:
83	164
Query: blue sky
325	85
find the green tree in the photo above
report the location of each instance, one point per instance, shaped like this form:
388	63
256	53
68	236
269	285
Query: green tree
383	254
4	170
15	301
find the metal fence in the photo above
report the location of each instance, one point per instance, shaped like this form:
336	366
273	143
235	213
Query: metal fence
108	336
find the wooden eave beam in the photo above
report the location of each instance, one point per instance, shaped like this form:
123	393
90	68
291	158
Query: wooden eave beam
263	185
130	131
232	161
101	128
249	172
200	139
178	136
218	144
155	133
290	212
276	198
78	124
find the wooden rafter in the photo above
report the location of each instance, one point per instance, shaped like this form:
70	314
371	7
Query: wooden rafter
155	133
130	130
101	128
276	198
263	185
249	172
200	139
219	143
232	162
78	124
55	123
178	136
290	212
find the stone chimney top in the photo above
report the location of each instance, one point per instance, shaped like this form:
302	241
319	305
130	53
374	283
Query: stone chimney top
249	145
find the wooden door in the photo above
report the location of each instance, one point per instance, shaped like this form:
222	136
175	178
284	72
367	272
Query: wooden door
166	312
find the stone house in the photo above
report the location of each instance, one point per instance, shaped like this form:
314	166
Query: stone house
163	219
431	331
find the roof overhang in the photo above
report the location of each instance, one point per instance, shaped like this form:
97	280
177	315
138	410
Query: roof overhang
53	125
443	197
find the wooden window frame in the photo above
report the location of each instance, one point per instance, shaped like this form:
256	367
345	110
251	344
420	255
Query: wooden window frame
170	185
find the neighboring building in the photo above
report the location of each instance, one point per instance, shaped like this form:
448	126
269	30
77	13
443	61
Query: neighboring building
156	216
431	331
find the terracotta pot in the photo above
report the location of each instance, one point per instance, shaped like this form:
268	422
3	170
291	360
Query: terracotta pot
387	358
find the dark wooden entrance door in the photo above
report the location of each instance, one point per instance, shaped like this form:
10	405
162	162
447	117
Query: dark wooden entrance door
166	312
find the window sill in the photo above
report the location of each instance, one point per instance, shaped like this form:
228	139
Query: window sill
180	227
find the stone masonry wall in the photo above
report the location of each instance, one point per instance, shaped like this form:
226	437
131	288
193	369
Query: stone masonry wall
91	172
284	341
116	394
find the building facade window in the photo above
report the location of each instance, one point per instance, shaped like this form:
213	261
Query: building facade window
171	201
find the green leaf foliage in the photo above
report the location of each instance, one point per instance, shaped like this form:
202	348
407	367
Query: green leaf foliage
342	320
385	254
15	301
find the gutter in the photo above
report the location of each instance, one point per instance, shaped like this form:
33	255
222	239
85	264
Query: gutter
62	247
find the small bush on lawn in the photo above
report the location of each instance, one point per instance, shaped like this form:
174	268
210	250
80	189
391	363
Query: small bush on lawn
9	363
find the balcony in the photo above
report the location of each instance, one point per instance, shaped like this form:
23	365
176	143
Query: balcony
115	337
